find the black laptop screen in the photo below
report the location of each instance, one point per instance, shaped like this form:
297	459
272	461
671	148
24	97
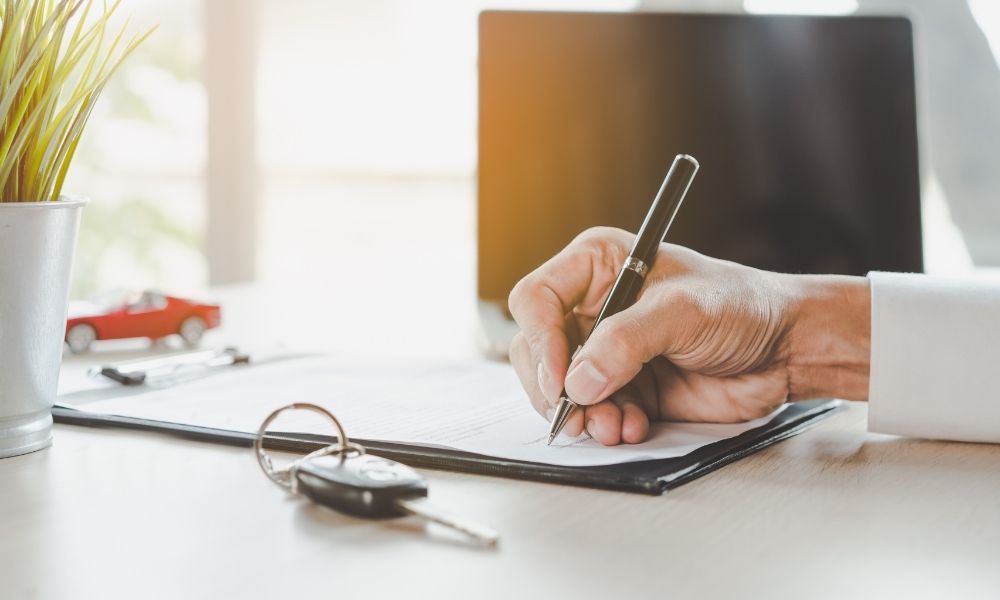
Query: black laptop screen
805	128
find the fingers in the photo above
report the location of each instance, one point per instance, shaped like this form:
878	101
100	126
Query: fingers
635	419
620	420
525	367
531	374
540	313
612	356
520	358
623	343
574	424
576	278
604	423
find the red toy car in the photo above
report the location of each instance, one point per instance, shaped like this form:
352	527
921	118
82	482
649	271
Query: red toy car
151	315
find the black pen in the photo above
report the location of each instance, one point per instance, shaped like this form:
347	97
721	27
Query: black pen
626	288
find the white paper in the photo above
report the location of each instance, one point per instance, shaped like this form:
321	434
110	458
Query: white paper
475	407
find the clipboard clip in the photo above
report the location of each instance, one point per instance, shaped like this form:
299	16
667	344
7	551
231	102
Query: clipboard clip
137	372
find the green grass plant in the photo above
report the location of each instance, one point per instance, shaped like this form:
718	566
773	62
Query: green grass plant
56	56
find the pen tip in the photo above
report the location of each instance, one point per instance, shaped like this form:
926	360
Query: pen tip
552	436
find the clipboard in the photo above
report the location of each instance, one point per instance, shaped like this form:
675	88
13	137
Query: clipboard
653	477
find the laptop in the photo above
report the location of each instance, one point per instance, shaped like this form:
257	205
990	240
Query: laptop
805	128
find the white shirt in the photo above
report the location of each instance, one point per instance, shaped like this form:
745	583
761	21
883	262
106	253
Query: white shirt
935	357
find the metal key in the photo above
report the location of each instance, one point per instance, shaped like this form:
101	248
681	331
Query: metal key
376	488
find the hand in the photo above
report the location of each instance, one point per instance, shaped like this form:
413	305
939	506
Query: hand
707	340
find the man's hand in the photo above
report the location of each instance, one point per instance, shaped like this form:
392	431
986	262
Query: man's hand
707	340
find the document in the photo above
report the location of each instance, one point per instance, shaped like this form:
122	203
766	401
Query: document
476	406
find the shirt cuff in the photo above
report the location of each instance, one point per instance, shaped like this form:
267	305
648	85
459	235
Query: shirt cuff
935	351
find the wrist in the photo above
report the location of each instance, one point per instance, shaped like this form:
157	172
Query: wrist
829	343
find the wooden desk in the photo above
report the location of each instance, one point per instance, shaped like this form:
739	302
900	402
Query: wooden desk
832	513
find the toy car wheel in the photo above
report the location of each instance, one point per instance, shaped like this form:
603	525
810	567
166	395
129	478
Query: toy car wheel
80	337
191	330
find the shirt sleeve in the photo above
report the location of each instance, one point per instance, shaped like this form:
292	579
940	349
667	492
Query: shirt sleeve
935	357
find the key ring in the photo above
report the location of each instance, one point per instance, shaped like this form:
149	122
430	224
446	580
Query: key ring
286	477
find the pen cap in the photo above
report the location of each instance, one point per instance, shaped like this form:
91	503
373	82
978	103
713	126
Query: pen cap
664	208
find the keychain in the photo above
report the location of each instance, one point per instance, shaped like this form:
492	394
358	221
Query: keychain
344	477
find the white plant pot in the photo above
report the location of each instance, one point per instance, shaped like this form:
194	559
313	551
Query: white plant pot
36	252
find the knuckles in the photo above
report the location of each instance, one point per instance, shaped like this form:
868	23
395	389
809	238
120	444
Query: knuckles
602	235
523	294
604	243
515	296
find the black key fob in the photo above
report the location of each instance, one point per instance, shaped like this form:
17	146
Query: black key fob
360	485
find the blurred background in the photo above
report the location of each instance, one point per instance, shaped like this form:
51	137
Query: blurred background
315	145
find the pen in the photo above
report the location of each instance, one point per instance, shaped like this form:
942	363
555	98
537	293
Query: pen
137	372
640	259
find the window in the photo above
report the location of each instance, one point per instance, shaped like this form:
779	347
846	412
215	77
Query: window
141	161
363	129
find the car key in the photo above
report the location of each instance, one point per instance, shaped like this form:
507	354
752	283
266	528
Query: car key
373	487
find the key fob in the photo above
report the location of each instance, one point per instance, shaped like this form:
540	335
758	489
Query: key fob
360	485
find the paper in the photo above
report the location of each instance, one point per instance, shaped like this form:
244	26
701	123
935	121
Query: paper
475	407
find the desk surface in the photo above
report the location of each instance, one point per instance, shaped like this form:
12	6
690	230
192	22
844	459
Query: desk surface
832	513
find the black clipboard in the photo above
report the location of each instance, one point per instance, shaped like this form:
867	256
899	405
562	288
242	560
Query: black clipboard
647	477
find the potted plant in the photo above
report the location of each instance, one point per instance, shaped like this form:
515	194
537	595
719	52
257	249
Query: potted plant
55	59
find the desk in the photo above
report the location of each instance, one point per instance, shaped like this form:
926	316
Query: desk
832	513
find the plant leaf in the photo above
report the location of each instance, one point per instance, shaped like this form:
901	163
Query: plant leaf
54	65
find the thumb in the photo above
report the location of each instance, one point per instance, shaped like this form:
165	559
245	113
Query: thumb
615	353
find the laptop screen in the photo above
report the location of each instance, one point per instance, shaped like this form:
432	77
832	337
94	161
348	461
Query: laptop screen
805	128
